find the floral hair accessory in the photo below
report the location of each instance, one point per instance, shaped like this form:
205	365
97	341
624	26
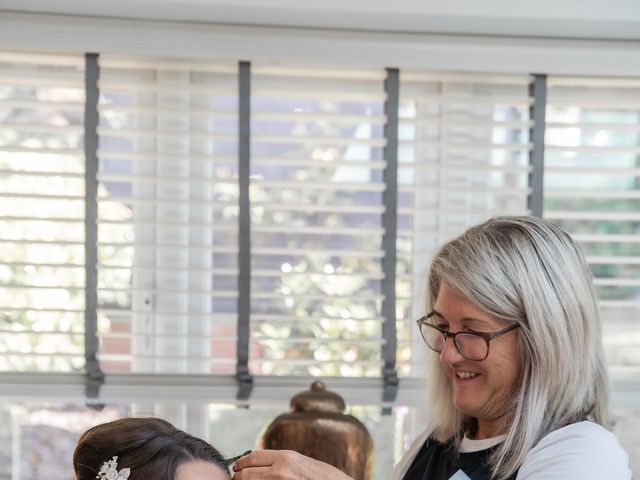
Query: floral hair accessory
109	471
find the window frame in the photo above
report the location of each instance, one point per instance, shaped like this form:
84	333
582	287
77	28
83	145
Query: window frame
354	49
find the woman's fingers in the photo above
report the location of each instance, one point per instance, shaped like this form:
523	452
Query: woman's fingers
258	458
265	465
283	465
253	473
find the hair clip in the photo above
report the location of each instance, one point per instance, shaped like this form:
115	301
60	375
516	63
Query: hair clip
229	461
109	471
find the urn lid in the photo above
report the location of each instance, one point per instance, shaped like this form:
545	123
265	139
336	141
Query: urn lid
317	399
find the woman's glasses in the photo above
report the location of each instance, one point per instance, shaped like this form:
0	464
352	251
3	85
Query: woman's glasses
471	345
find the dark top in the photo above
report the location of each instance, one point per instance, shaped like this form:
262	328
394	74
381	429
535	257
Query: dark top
441	461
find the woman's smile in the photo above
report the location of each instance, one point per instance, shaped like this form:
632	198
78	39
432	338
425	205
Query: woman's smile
481	389
462	375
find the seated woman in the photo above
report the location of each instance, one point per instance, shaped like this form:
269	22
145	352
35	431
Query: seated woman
145	449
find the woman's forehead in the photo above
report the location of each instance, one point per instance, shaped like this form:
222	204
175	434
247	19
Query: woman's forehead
451	306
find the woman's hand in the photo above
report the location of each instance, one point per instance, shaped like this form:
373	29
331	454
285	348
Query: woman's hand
284	465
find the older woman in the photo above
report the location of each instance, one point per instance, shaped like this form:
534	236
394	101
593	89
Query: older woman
517	382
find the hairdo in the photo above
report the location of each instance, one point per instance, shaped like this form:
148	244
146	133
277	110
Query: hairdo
149	447
529	271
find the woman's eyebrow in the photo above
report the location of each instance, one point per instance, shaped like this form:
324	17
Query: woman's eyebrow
467	320
435	313
464	320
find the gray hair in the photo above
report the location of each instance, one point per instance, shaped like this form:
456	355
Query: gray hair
529	271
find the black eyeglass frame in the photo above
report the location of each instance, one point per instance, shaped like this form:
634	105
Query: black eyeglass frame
487	337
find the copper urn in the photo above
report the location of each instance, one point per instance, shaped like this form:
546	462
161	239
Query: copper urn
318	428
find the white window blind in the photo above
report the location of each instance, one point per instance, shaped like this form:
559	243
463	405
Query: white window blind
169	203
463	157
592	190
316	198
41	212
167	216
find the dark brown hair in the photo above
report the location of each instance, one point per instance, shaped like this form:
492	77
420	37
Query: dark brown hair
151	447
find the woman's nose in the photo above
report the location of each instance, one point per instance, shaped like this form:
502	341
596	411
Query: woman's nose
450	353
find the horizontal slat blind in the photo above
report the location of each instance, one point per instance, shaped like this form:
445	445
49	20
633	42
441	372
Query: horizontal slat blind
41	212
316	197
463	157
592	190
168	207
167	216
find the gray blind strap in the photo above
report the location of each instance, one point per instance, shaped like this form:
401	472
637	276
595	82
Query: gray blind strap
537	91
244	377
389	223
95	375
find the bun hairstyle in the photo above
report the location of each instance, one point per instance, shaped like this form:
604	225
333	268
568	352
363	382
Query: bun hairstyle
151	448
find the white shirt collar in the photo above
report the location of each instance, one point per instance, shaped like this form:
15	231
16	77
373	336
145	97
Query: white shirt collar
468	445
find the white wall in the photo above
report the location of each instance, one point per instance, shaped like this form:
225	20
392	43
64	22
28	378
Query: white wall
461	53
595	19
